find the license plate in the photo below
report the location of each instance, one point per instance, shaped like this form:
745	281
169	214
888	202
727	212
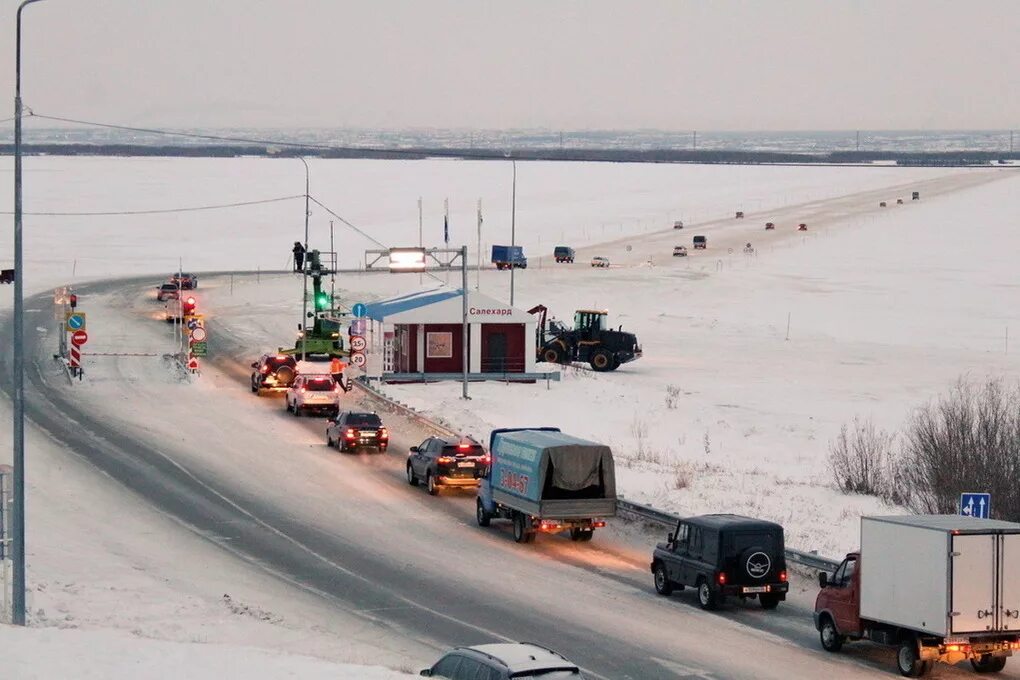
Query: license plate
465	465
756	589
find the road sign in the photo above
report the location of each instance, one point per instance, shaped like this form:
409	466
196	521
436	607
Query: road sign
193	321
358	359
976	505
79	338
358	327
359	309
193	364
358	343
75	321
198	334
199	349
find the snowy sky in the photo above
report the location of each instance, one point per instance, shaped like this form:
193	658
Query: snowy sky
669	64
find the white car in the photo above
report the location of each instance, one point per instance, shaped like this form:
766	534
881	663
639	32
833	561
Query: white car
679	251
600	261
314	392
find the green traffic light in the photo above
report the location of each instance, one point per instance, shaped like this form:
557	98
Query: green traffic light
321	301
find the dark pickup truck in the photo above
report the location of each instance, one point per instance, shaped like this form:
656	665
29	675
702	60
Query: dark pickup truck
722	556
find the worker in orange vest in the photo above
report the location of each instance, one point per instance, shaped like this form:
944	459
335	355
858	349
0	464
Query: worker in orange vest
336	368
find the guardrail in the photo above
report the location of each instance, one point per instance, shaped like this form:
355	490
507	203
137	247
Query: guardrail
647	513
637	511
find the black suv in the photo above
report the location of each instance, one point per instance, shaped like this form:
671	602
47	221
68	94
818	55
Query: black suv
186	281
503	661
273	372
446	462
723	555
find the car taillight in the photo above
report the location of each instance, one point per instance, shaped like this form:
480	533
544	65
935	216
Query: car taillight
444	459
303	390
351	433
382	433
463	447
722	578
486	459
265	369
782	576
599	523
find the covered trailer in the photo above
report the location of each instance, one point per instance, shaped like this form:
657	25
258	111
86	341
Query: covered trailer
544	480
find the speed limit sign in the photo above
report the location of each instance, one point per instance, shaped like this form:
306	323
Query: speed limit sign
358	359
358	343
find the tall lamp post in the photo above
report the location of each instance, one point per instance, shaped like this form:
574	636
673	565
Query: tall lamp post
513	226
304	271
18	352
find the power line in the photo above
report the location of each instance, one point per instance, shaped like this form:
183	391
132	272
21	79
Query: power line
479	155
160	211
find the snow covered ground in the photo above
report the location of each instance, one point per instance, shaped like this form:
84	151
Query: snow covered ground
47	654
885	311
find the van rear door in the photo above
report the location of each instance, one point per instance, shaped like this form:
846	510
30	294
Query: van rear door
1009	570
972	605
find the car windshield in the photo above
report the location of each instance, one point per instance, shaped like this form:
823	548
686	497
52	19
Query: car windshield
467	450
549	674
169	286
363	419
275	362
320	385
743	540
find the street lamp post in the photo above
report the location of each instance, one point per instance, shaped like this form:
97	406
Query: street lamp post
304	272
513	227
18	352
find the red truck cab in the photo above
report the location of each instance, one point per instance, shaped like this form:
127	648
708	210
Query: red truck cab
838	604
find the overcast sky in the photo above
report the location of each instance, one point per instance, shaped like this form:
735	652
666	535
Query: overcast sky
669	64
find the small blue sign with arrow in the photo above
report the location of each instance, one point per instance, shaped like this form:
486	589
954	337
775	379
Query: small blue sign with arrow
976	505
359	310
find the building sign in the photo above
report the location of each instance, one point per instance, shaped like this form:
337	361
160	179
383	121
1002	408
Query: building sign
439	345
478	311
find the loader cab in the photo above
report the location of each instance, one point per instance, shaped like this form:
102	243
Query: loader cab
590	320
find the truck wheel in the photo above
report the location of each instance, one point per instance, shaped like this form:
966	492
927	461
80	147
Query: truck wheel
411	479
521	533
662	584
430	484
552	355
254	388
601	361
986	663
832	641
908	662
706	596
480	514
768	601
329	440
581	534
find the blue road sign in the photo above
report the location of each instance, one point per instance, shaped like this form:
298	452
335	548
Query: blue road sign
358	327
976	505
75	321
359	309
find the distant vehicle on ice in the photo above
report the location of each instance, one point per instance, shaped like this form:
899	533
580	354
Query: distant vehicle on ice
506	257
679	224
679	251
769	226
563	254
700	243
599	261
802	227
915	196
740	215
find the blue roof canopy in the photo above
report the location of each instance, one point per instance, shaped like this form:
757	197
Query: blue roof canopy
382	309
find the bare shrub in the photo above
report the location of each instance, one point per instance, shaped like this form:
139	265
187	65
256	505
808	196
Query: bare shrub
861	458
673	393
967	440
683	475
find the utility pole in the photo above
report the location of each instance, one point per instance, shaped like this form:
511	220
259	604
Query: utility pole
478	270
513	227
304	271
18	352
858	140
464	324
421	242
695	140
1011	141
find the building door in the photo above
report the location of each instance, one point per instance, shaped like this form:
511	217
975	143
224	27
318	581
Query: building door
502	348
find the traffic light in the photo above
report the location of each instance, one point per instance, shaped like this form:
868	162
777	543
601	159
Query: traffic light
321	301
189	306
73	300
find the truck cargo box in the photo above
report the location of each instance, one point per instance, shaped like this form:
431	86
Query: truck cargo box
941	574
552	475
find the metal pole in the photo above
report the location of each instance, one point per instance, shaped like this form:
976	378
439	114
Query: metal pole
513	227
464	330
421	240
478	271
304	273
18	352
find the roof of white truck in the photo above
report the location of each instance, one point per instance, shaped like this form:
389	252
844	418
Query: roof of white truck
947	522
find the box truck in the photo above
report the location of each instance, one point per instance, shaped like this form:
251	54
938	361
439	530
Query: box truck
937	587
505	257
543	480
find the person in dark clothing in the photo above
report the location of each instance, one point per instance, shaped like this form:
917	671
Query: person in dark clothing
299	256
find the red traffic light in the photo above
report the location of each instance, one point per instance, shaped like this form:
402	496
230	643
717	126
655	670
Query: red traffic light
189	305
73	300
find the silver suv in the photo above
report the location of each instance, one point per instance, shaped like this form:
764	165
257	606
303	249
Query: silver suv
502	661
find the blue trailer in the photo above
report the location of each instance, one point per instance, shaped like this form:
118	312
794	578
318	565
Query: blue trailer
505	257
543	480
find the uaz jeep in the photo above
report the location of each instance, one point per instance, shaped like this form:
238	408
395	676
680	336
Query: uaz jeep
723	555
